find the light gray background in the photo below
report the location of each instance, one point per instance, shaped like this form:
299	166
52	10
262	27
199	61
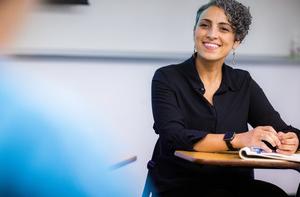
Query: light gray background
120	89
152	26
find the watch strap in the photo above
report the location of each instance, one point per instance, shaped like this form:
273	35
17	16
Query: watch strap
228	137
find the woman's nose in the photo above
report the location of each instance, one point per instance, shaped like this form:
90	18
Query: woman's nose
212	33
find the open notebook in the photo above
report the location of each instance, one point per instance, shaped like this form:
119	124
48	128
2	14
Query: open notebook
253	153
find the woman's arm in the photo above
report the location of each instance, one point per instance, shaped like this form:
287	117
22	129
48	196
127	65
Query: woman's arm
169	121
261	112
254	137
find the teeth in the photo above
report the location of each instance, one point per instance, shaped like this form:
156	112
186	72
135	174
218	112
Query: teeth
210	45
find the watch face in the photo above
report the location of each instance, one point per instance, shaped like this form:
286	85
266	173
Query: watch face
229	136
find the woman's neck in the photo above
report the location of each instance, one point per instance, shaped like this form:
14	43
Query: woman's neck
210	72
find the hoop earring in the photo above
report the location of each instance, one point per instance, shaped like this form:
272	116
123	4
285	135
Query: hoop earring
233	58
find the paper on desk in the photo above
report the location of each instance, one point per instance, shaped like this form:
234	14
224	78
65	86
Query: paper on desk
251	153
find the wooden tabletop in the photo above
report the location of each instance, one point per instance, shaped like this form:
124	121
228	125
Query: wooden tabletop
231	158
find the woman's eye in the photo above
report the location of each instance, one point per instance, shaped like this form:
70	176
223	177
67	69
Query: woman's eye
225	29
203	25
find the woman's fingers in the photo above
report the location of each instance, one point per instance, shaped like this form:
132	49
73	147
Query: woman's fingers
271	138
269	129
287	147
288	135
268	133
288	138
265	147
286	143
292	141
289	143
285	152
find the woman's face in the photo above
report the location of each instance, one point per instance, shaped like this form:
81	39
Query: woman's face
214	37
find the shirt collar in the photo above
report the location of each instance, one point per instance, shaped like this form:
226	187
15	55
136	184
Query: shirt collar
229	82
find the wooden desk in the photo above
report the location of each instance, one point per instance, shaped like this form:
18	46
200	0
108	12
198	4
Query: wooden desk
231	158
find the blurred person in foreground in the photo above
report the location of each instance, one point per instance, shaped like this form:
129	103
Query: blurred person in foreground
44	153
203	104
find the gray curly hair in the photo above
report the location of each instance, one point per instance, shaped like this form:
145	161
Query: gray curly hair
238	16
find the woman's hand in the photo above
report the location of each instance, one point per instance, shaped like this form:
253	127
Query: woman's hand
289	143
254	137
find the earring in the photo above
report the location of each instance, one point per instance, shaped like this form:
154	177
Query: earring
233	58
195	52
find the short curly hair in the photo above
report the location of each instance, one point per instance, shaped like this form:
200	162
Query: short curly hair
238	16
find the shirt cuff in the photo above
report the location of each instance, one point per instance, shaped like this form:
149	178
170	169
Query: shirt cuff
192	137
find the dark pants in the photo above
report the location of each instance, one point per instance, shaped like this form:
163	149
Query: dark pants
253	188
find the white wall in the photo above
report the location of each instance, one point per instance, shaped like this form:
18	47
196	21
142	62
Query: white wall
151	26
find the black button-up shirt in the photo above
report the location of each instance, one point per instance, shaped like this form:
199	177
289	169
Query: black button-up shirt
182	116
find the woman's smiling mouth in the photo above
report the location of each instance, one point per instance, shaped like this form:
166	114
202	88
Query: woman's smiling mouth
211	46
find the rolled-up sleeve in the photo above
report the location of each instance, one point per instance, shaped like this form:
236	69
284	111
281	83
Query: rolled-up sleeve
169	121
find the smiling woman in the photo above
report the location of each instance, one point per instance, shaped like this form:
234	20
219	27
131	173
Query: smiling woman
203	104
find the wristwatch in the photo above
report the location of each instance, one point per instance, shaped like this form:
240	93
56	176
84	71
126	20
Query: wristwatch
228	137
